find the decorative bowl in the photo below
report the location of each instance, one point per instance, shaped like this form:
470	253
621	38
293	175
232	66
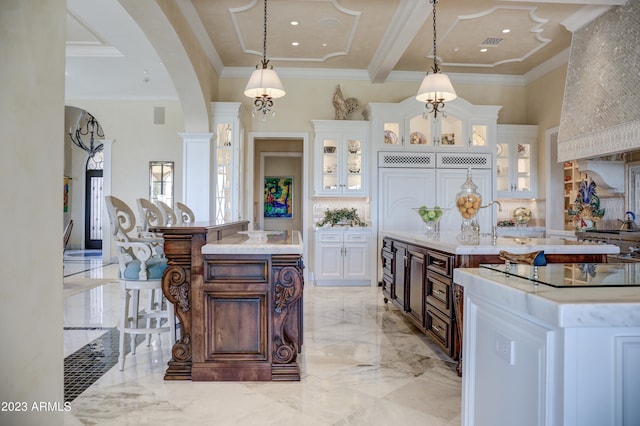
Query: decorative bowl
522	215
429	215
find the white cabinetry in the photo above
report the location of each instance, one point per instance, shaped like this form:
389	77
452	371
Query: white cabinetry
342	257
340	165
516	161
410	180
404	126
227	161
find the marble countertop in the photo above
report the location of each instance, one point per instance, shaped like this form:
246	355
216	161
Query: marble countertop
448	243
257	242
556	307
342	228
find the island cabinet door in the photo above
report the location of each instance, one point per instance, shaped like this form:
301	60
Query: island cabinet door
399	268
231	333
415	284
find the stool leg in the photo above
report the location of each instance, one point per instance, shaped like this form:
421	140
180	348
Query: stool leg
135	306
123	325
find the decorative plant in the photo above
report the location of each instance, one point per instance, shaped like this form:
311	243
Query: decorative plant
340	216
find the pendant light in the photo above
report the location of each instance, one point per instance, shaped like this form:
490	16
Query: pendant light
264	84
436	88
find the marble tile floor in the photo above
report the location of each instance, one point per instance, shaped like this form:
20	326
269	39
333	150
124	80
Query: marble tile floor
362	364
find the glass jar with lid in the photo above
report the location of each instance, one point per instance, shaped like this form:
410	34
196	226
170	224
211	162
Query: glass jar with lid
468	203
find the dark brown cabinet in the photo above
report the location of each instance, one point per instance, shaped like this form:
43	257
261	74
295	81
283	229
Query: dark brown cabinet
415	284
419	281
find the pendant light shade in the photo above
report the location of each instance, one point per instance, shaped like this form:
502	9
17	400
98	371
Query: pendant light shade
436	86
264	82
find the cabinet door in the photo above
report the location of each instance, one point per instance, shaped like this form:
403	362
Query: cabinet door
352	165
401	191
400	267
415	284
450	133
329	261
516	161
329	173
356	261
449	181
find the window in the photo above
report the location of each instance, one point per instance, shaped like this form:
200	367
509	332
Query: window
161	181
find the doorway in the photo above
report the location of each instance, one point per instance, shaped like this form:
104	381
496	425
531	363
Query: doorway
93	202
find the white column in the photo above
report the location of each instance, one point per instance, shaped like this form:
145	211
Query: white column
107	150
197	154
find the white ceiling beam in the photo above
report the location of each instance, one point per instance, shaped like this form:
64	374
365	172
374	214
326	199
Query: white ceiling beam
585	2
409	17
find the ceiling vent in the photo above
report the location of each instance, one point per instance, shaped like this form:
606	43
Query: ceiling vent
492	41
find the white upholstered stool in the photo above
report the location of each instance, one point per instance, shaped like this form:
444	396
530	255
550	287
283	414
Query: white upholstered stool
142	279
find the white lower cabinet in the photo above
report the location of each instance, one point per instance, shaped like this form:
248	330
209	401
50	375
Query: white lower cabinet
342	258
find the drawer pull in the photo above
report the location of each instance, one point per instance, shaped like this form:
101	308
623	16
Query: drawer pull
440	263
437	328
436	291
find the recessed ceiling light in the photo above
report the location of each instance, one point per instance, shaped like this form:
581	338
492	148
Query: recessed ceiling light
295	43
506	30
324	44
483	50
456	49
294	23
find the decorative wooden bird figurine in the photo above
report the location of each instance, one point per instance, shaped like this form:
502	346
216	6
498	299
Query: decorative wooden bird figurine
343	106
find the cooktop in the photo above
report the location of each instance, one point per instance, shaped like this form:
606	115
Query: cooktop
564	275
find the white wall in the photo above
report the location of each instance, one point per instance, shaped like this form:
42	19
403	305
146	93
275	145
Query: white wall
32	42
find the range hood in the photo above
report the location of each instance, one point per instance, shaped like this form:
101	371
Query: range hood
607	174
601	105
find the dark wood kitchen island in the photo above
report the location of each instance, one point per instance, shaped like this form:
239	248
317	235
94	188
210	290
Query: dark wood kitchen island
183	249
247	308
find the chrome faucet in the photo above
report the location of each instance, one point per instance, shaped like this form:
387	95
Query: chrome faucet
493	202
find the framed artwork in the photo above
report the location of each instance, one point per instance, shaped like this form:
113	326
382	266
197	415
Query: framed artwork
278	197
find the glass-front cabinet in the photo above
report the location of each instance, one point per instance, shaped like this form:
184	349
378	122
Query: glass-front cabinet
340	165
462	126
228	135
516	161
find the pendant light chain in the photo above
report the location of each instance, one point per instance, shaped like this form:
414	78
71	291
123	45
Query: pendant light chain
435	56
264	42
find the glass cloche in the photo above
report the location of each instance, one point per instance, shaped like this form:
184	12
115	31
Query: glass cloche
468	203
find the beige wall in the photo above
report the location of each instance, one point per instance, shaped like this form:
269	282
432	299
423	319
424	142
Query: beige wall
137	141
32	41
312	99
544	105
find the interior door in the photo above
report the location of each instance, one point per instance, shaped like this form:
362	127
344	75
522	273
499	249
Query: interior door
93	210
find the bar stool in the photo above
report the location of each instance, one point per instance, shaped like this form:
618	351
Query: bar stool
143	274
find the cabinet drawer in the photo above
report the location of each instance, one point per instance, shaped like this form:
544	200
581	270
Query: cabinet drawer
355	237
439	293
440	262
330	237
387	244
387	261
440	328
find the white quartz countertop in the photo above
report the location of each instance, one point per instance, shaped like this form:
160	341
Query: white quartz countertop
257	242
556	307
448	243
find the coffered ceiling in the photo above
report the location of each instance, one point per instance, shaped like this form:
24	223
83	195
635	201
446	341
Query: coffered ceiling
108	55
